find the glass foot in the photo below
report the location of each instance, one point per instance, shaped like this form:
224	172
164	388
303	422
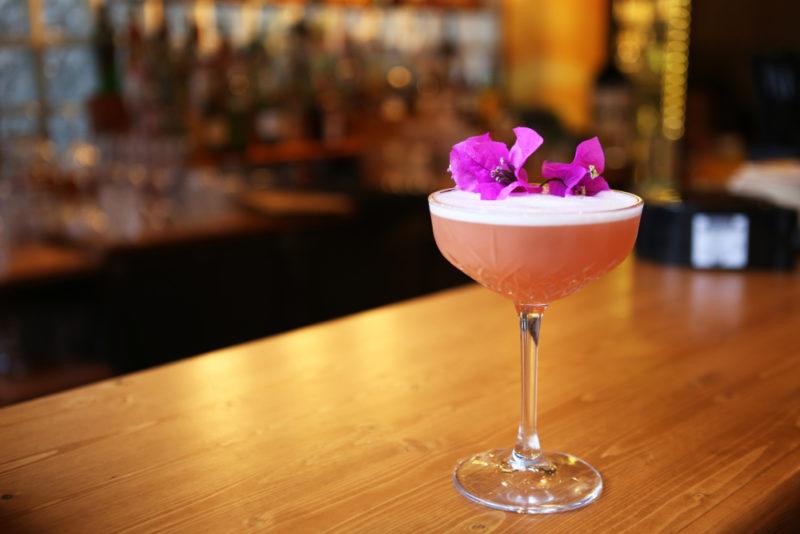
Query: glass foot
556	482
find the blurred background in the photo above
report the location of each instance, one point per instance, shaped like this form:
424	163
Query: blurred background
179	176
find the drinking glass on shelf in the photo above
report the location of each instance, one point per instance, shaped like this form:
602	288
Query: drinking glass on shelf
532	250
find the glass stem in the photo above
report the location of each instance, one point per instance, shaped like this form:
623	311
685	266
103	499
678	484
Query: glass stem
528	448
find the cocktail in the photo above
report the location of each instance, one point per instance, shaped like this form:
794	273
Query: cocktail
533	248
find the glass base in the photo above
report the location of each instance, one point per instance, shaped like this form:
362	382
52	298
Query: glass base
555	482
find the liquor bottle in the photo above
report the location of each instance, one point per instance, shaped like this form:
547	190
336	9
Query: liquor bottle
267	123
330	94
215	127
239	100
106	107
105	53
163	99
349	71
198	87
184	62
135	74
303	118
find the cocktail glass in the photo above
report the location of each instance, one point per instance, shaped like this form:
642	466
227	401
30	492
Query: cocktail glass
533	258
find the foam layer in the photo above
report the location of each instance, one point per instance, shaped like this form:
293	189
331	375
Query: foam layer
535	210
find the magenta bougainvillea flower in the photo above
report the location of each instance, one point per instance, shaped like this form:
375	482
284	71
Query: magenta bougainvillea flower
581	177
482	165
488	167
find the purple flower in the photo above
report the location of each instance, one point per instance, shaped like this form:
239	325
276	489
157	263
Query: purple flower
488	167
581	177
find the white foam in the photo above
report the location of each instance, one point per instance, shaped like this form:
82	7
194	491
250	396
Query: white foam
535	210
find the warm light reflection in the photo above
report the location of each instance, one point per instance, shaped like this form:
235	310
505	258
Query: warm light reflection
621	284
206	23
552	50
367	26
673	97
333	29
716	299
85	155
314	354
665	195
398	77
647	119
225	419
153	15
249	21
636	18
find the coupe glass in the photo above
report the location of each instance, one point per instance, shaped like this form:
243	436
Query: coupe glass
533	258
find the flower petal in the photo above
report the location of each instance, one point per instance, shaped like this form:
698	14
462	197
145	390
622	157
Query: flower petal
594	186
552	169
518	187
472	160
488	190
590	152
570	173
556	188
464	170
484	152
526	144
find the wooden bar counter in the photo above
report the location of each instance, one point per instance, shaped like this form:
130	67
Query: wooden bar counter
681	387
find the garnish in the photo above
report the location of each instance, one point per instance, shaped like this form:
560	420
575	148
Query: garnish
482	165
583	175
488	167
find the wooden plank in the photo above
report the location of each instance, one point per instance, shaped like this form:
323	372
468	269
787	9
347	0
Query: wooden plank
682	387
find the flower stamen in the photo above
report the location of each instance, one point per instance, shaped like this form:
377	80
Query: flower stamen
593	172
546	184
503	173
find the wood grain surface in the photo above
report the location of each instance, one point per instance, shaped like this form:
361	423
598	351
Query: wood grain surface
682	387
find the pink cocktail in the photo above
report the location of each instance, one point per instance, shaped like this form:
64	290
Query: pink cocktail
533	249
